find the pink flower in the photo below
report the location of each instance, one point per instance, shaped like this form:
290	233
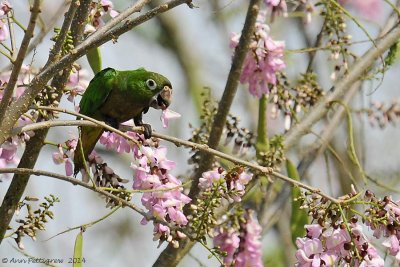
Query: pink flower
108	8
25	76
98	12
335	238
77	83
208	178
272	2
4	33
5	7
263	61
62	157
309	251
313	230
8	152
114	141
243	247
227	240
278	5
393	246
167	115
332	245
236	184
250	253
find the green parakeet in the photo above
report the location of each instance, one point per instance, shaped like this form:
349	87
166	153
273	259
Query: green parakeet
117	96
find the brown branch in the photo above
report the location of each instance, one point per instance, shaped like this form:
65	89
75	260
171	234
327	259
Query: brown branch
226	100
9	90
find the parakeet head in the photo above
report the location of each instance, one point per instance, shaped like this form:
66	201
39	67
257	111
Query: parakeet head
157	88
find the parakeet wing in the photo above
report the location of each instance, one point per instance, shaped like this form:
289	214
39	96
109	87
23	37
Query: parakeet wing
97	92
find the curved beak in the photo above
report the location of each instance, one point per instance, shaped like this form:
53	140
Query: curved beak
163	99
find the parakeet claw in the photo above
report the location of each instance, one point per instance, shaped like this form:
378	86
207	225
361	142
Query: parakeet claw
147	131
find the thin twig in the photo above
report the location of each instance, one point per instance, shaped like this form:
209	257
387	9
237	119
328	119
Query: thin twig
69	16
12	37
86	225
49	26
98	123
8	92
5	54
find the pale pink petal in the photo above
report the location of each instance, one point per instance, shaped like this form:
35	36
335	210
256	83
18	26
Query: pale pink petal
68	167
167	115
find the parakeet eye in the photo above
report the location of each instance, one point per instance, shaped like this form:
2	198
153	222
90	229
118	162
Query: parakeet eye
151	84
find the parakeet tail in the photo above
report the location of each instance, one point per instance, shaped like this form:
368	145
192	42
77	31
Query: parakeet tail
89	137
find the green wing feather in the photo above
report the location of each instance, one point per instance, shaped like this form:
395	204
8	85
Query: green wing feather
97	92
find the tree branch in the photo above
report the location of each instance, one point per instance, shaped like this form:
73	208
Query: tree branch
226	100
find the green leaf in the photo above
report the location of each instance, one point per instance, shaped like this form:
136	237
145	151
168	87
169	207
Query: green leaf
77	259
299	216
94	59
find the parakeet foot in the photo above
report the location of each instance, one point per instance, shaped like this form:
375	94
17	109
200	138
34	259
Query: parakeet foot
147	131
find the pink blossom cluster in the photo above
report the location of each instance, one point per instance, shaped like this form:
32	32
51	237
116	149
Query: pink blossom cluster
227	239
235	184
152	170
336	247
66	157
391	229
5	7
243	247
113	141
25	76
263	61
370	9
98	11
77	83
8	150
278	5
